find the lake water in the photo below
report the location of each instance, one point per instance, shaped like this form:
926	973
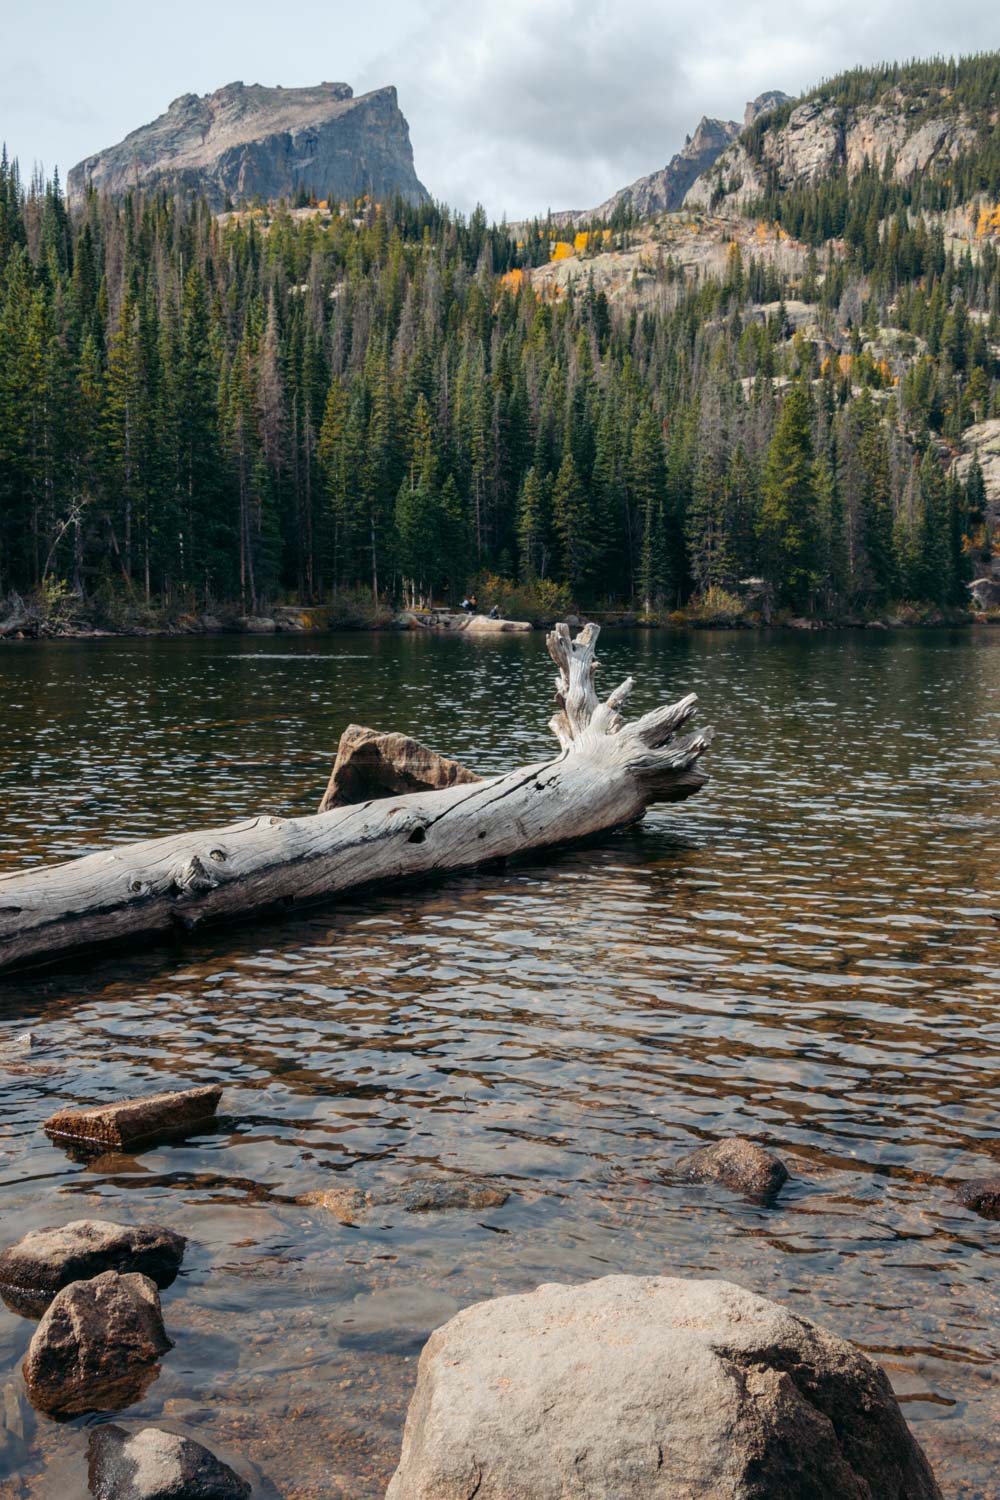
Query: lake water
803	953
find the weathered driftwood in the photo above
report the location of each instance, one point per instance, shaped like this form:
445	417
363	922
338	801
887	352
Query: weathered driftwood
606	774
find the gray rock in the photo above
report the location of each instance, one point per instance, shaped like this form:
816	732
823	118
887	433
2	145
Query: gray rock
652	1388
982	1195
740	1165
246	140
155	1465
33	1270
97	1346
370	765
127	1121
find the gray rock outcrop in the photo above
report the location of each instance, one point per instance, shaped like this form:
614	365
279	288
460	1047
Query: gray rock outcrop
654	1388
97	1346
246	140
740	1165
818	139
664	191
370	764
125	1122
156	1465
44	1261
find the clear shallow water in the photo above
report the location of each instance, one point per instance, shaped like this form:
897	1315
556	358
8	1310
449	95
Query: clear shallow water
803	953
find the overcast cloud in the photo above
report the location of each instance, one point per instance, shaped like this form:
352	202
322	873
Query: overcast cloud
520	104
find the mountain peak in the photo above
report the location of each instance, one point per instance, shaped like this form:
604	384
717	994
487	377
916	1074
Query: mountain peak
247	140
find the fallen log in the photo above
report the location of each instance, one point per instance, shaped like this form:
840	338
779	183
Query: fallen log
606	774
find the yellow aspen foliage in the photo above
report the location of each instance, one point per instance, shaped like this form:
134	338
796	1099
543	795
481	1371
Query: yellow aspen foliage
580	241
845	362
561	250
513	280
988	222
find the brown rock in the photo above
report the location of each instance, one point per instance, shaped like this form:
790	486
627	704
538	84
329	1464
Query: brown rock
740	1165
127	1121
97	1346
418	1196
982	1195
33	1270
371	765
347	1204
155	1465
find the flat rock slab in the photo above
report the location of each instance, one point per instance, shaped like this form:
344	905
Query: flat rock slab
125	1122
97	1346
982	1195
740	1165
371	765
155	1465
420	1195
33	1270
653	1388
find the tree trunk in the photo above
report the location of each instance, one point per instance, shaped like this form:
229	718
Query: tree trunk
606	774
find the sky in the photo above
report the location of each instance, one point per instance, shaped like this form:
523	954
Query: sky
522	105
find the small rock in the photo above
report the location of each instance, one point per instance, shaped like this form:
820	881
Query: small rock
418	1196
155	1465
347	1204
18	1046
740	1165
126	1121
33	1270
423	1195
982	1195
370	765
97	1346
651	1387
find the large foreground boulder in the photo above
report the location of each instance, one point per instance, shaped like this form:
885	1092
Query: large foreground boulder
652	1388
127	1122
44	1261
371	765
97	1346
155	1465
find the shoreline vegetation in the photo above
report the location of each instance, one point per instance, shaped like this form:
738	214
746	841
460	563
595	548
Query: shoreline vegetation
34	620
503	606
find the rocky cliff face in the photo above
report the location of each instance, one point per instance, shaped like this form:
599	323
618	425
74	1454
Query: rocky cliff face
246	139
664	191
817	140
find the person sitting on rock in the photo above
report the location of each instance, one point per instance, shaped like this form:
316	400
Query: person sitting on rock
495	612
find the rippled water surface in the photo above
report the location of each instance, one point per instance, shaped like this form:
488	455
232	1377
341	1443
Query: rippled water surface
803	953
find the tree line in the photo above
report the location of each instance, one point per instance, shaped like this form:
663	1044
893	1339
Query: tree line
276	405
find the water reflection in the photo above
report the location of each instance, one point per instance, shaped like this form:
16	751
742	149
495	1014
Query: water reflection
803	952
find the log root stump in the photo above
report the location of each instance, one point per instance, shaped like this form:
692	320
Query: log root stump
606	774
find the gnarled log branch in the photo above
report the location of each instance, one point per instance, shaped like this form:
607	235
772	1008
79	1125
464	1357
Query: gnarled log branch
606	774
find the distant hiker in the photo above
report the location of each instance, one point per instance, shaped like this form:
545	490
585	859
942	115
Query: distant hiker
495	612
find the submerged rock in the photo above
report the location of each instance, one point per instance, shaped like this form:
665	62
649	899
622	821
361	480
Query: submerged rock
420	1195
127	1121
370	765
155	1465
740	1165
97	1346
33	1270
982	1195
654	1388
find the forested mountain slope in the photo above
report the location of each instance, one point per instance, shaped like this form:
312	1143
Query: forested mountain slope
198	408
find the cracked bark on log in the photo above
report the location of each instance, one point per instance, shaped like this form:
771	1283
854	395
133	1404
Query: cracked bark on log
606	774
